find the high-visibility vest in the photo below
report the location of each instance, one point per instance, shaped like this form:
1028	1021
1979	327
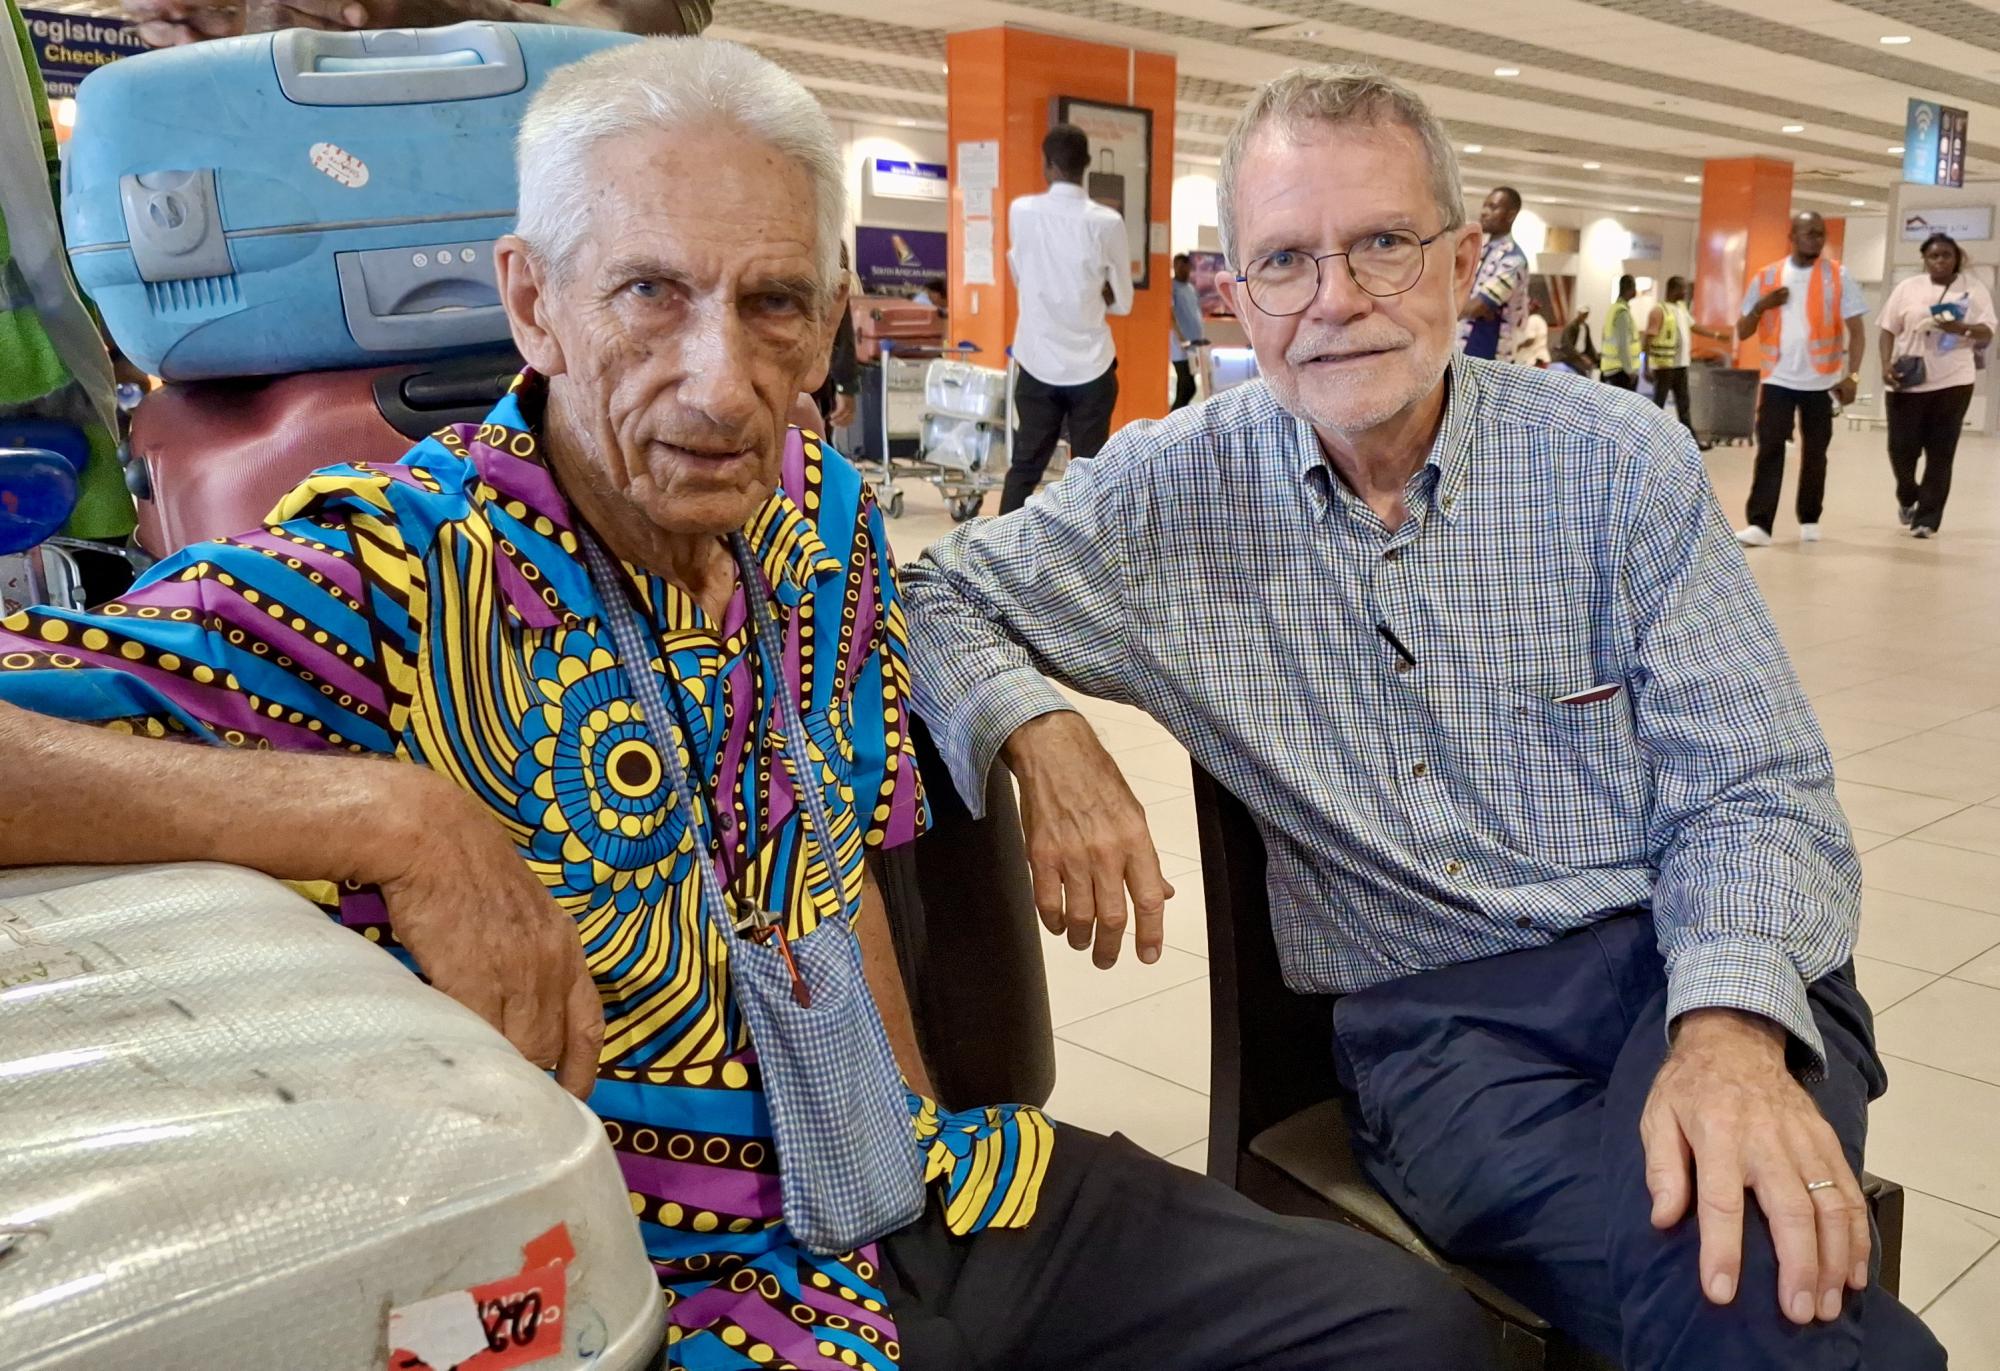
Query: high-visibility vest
1621	346
1825	331
1667	342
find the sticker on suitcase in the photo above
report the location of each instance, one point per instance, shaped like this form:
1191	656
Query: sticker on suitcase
339	164
515	1321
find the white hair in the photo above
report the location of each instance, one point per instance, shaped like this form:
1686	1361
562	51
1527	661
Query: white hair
670	85
1336	96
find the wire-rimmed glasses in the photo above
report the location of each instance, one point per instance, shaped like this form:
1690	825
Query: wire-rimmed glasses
1388	262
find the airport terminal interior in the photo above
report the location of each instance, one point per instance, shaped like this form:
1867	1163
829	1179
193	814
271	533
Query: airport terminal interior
1655	160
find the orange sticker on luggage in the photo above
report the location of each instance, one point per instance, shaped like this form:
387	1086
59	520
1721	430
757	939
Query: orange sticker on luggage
514	1321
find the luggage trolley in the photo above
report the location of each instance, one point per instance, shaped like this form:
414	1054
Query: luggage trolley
940	419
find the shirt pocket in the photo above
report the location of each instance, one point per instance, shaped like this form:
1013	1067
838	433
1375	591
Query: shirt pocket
1583	787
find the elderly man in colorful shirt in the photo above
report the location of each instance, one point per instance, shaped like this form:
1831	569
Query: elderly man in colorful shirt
1544	804
525	848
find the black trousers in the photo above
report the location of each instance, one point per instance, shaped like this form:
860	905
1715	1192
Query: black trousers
1674	381
1925	425
1040	411
1777	410
1184	386
1133	1264
1624	380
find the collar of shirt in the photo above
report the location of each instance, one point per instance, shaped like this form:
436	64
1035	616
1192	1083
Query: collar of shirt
542	575
1445	469
1066	190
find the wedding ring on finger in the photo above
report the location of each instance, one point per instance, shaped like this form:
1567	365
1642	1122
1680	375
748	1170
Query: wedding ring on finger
1819	1185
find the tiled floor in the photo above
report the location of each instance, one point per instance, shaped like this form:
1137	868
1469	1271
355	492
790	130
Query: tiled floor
1898	643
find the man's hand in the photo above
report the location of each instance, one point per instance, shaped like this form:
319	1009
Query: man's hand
1777	299
1846	391
1088	844
1725	1101
484	930
170	23
843	411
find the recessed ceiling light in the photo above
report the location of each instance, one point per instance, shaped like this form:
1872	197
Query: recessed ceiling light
1593	166
1312	33
1857	204
1691	180
1896	151
1506	71
1633	209
1795	128
1896	40
1475	147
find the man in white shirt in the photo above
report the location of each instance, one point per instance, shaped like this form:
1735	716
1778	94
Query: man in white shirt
1072	266
1807	314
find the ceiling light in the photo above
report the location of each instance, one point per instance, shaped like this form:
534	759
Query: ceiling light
1475	148
1308	33
1506	71
1593	166
1691	180
1795	128
1896	151
1857	204
1633	209
1896	40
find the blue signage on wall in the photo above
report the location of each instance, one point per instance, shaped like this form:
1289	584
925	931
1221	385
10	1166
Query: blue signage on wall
1934	138
68	47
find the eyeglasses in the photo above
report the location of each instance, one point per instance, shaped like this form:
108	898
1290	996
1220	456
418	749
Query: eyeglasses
1382	264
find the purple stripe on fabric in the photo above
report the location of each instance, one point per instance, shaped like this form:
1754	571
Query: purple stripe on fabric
794	1342
726	1191
359	908
862	646
341	572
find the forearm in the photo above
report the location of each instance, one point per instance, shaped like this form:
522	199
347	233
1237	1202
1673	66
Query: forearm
1857	345
885	982
1747	325
76	793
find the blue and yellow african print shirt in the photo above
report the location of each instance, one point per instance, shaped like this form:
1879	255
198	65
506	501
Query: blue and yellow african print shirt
438	611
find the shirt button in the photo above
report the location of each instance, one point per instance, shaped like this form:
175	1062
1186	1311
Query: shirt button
1524	922
1453	868
1419	769
1402	667
1390	555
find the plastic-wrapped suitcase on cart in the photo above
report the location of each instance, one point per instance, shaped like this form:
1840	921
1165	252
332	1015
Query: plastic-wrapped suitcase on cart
237	1135
895	322
1722	402
304	200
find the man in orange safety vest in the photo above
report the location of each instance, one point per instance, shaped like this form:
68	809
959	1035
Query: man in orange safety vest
1807	314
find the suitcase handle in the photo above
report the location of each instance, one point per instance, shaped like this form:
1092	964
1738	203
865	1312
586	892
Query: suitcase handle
418	402
470	61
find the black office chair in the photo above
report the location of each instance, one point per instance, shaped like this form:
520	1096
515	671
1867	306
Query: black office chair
961	909
1276	1131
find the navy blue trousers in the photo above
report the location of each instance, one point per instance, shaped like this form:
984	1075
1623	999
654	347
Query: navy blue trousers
1496	1103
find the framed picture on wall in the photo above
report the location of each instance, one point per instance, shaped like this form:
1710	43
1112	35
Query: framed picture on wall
1121	167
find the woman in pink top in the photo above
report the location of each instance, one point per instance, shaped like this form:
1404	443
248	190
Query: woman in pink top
1936	319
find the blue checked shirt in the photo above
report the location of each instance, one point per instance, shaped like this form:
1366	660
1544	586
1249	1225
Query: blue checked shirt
1211	570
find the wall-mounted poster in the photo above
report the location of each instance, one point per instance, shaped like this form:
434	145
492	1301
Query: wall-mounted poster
1121	168
1966	223
1934	138
898	261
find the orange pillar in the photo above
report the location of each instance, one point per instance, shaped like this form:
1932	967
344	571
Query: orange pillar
1003	88
1746	210
1836	237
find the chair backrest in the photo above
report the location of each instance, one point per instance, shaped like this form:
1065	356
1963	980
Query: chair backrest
1271	1049
961	907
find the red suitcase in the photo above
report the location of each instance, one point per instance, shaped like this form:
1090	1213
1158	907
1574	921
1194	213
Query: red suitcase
905	322
212	458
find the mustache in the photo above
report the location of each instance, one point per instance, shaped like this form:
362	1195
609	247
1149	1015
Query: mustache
1378	339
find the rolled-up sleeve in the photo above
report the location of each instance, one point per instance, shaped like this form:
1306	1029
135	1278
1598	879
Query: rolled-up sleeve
1759	887
1004	604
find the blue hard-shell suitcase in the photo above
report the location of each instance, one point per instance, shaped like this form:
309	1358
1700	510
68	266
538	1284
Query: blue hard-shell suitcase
304	200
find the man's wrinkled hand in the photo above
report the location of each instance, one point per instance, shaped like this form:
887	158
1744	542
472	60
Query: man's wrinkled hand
483	929
843	411
1088	844
171	23
1725	1106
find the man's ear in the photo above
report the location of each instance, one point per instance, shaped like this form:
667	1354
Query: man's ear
829	325
1231	292
524	291
1465	260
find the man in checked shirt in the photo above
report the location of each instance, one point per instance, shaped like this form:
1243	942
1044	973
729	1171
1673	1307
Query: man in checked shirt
1544	802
